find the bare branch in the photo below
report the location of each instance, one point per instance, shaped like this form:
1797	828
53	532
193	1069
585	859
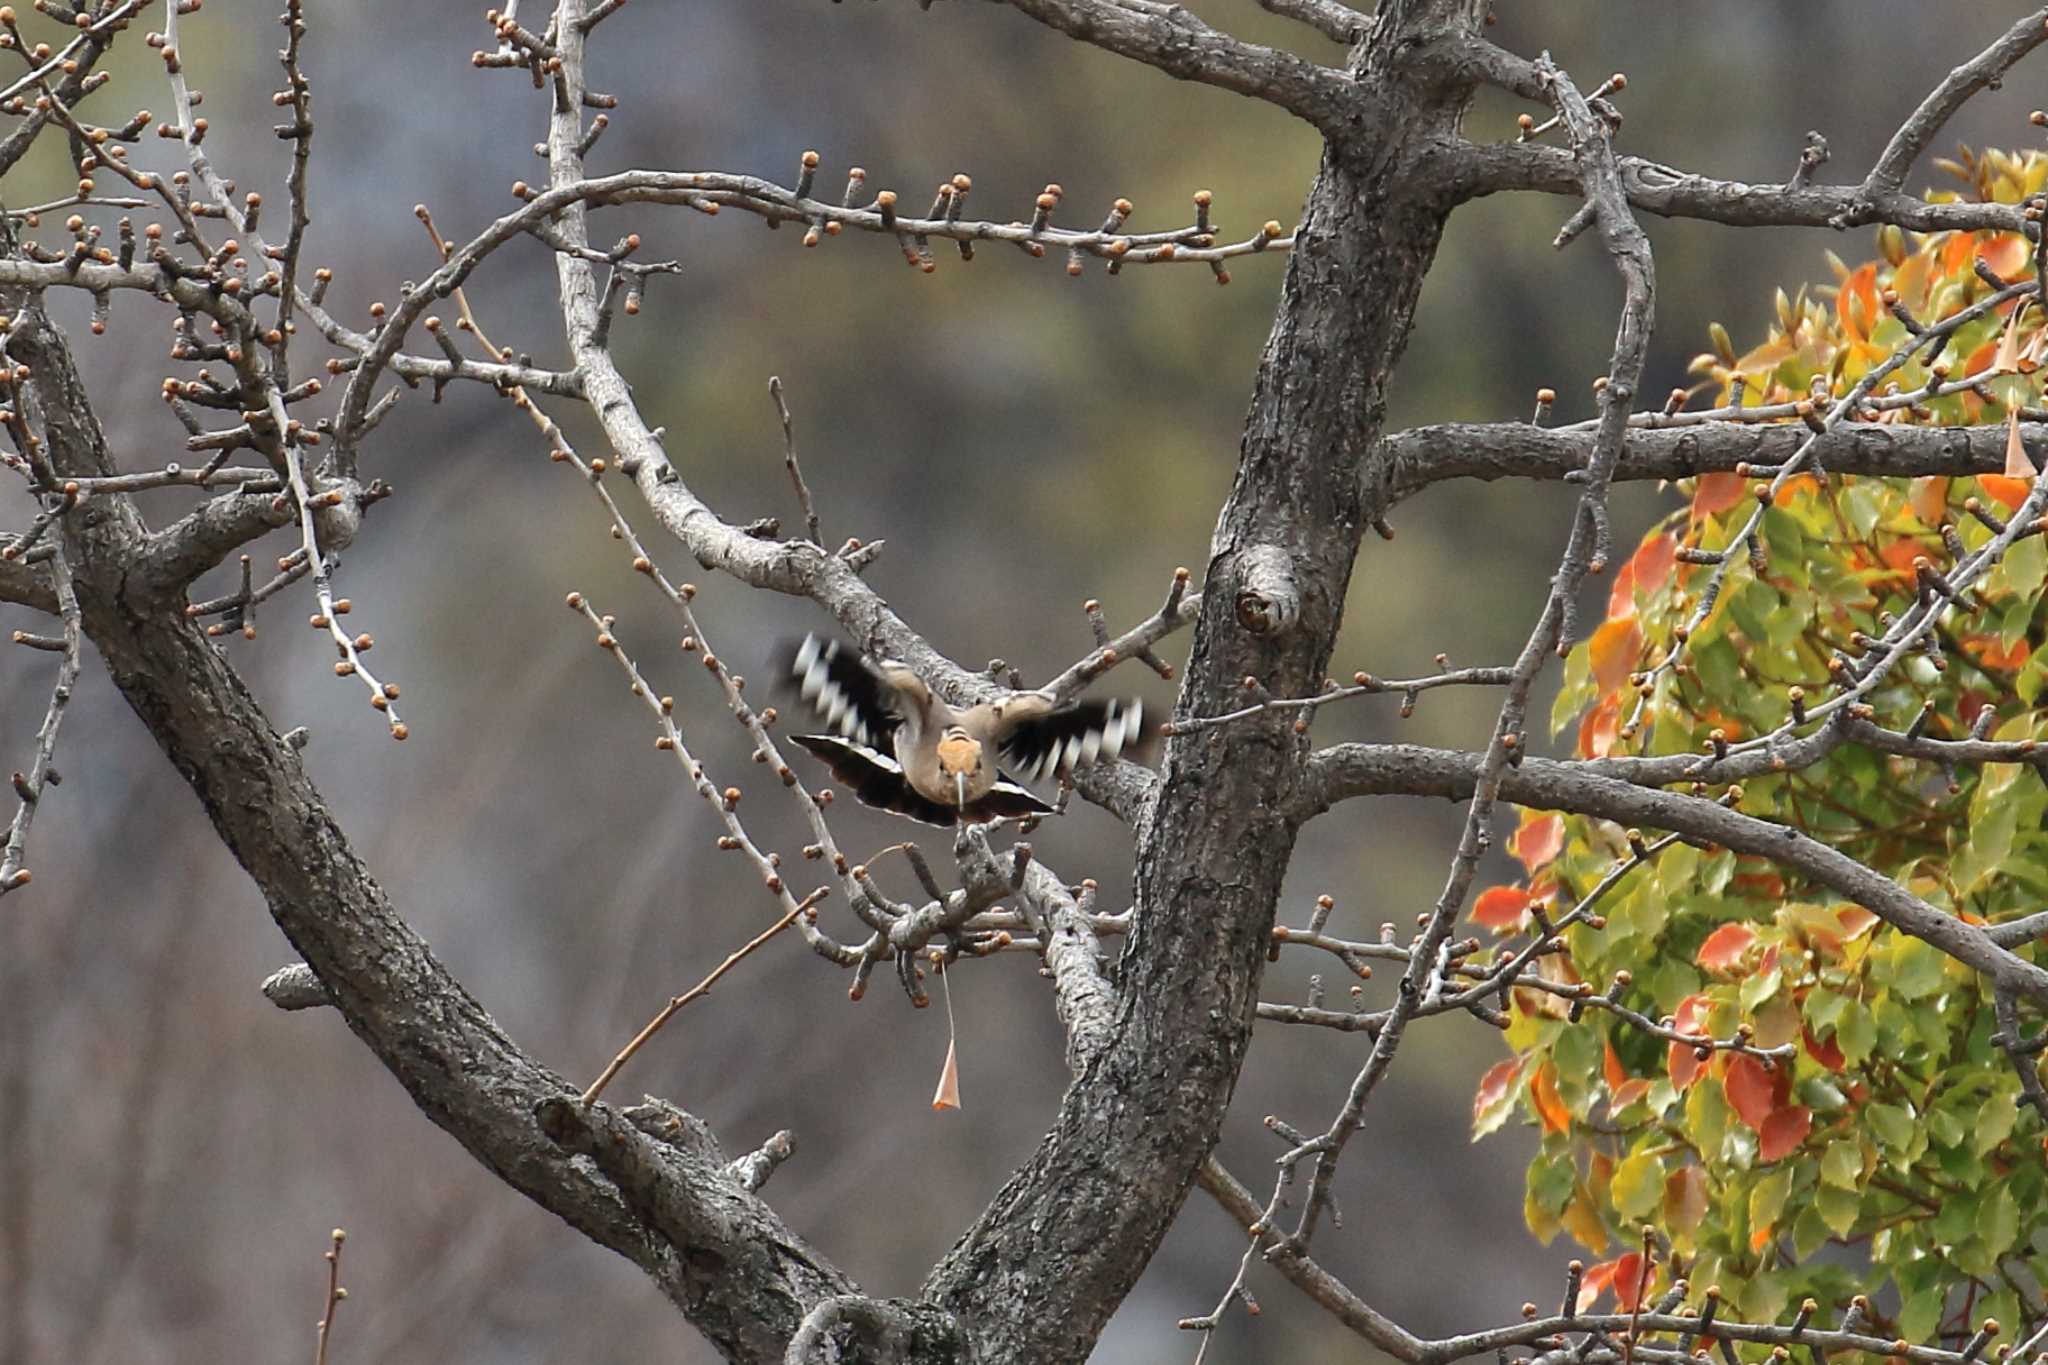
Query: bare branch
30	787
1423	456
1339	23
1982	72
1171	39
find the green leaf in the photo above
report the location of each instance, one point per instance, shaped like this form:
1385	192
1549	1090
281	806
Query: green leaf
1998	1221
1920	1312
1956	1219
1758	987
1995	1122
1856	1034
1823	1009
1767	1198
2022	570
1550	1182
1990	844
1706	1117
1892	1124
1638	1185
1918	970
1838	1208
1842	1165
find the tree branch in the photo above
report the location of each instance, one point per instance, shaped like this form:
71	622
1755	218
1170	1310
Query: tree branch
27	585
459	1067
1982	72
1422	456
1171	39
1348	770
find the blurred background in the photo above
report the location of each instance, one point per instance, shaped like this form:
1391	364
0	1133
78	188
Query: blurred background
173	1150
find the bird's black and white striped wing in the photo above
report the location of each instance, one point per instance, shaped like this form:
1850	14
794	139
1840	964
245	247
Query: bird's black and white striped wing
878	781
842	690
1076	736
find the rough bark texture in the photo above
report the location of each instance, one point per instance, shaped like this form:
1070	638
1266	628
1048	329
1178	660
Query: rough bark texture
720	1254
1058	1248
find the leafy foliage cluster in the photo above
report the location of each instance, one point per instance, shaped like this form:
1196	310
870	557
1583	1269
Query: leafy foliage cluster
1893	1132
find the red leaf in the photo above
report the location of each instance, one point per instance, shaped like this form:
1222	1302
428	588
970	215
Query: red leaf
1723	950
1828	1054
1684	1064
1596	1282
1538	840
1751	1091
1494	1086
1500	908
1647	570
1628	1281
1783	1131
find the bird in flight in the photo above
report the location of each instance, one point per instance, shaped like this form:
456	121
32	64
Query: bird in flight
900	748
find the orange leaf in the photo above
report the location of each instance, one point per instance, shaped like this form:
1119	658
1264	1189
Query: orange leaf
1929	500
1794	488
1751	1092
1600	730
948	1094
1783	1131
1856	921
1613	651
2009	492
1995	656
1723	950
2018	465
1500	908
1493	1086
1538	840
1859	289
2005	252
1611	1069
1684	1064
1716	493
1626	1094
1549	1104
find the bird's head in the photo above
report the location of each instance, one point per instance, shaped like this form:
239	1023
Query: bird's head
959	756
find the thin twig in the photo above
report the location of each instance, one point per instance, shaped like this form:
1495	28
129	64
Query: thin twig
796	474
702	988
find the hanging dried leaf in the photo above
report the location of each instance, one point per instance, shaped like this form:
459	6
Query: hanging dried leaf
948	1094
2008	361
2017	463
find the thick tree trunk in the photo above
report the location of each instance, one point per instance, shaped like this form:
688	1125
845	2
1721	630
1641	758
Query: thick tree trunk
1039	1274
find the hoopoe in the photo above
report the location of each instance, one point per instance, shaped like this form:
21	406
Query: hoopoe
900	748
